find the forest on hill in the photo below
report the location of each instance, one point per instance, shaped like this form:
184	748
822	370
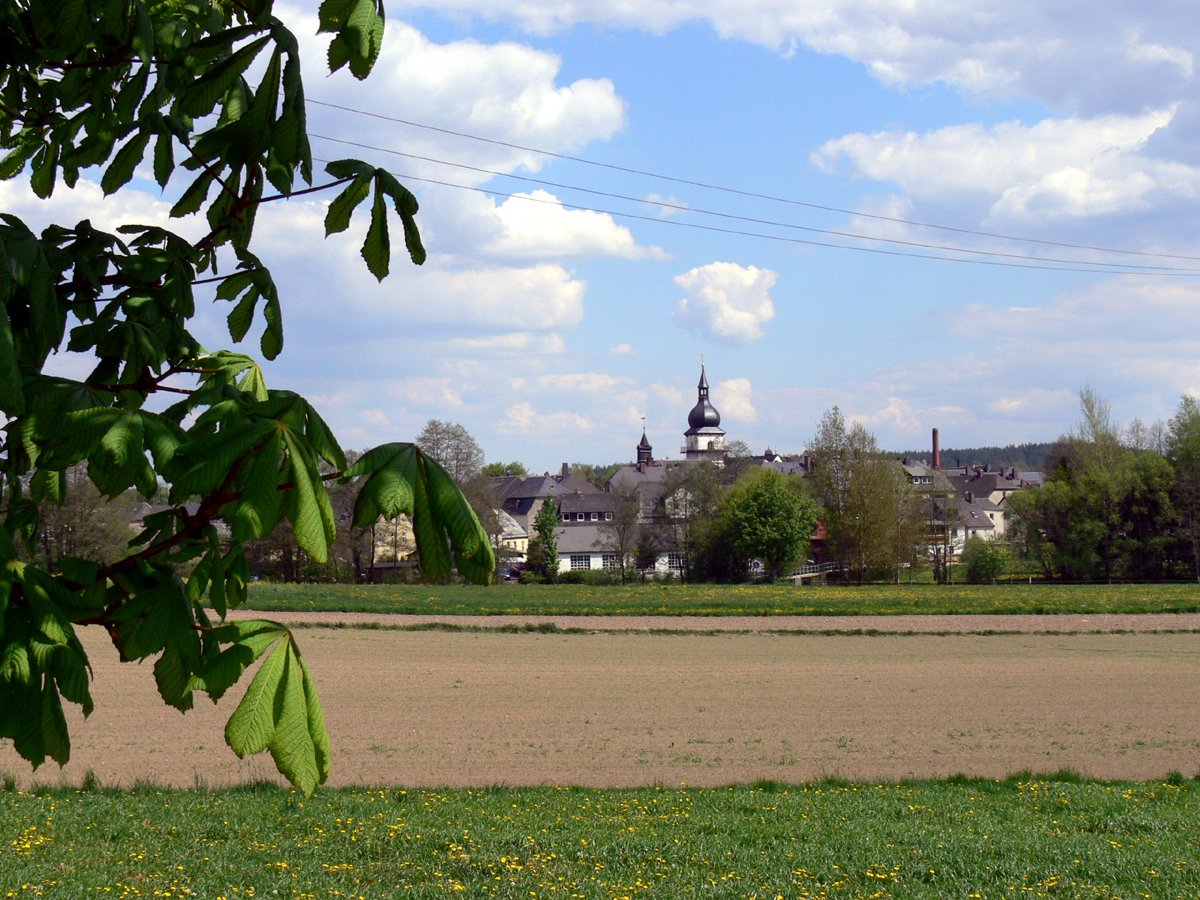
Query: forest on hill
1026	457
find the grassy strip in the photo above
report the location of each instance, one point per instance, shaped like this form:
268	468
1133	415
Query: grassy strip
1053	837
451	627
727	600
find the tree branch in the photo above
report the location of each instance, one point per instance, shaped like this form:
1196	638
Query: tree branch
311	190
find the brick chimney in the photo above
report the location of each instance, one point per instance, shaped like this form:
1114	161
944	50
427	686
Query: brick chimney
937	451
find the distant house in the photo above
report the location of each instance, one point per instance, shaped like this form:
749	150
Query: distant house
521	497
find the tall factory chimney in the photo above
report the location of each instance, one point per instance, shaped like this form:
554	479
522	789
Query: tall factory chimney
937	451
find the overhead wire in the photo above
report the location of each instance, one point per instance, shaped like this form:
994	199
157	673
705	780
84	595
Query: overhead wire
1099	266
1063	267
752	194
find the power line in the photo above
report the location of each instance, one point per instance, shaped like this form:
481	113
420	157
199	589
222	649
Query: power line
752	194
771	237
1059	264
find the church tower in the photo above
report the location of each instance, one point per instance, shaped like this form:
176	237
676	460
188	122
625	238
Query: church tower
645	453
704	438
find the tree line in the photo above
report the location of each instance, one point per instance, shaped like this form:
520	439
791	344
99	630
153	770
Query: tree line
1118	503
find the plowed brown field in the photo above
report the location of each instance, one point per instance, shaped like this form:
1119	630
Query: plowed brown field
626	708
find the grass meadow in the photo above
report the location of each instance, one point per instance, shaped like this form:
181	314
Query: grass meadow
1022	837
962	838
726	600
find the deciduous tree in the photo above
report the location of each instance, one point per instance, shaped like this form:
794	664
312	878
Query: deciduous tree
770	518
543	549
619	535
869	518
691	496
210	93
452	445
1183	450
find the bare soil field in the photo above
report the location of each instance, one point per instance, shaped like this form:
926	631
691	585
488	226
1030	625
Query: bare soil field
626	707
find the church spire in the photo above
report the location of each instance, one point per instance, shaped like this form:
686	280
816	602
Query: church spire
645	453
703	414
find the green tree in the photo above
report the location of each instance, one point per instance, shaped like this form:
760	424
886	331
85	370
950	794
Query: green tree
985	560
870	519
1105	511
1183	450
543	549
499	469
770	520
645	552
104	85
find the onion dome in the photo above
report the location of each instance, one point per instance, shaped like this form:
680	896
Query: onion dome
703	414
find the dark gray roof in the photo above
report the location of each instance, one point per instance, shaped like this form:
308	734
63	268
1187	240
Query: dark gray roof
597	502
580	539
508	487
576	483
633	476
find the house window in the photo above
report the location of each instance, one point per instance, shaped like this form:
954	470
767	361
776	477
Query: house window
609	560
676	562
595	517
566	517
608	517
580	517
580	561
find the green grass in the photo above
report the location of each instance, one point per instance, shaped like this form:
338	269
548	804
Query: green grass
964	838
726	600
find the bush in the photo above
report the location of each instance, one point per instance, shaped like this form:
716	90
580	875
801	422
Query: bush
593	577
985	560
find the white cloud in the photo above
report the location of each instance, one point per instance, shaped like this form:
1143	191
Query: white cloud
1012	403
726	301
504	91
1056	51
624	350
86	200
438	392
897	415
537	225
668	206
520	344
1056	168
376	417
669	395
523	418
1131	309
588	382
735	400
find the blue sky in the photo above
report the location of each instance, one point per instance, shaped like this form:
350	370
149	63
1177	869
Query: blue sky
549	332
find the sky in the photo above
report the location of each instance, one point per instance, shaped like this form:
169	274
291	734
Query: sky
930	214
